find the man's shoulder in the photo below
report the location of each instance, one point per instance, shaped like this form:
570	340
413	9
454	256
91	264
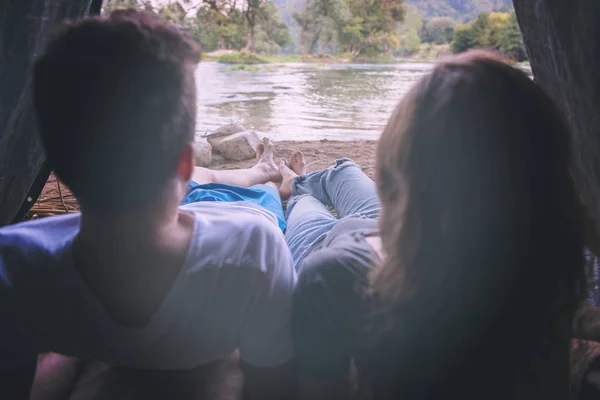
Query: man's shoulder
237	237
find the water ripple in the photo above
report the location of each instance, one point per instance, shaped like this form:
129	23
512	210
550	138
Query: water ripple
303	101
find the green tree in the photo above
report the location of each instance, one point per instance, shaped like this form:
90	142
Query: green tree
438	30
352	35
173	12
373	25
220	25
411	42
465	38
113	5
480	27
274	33
253	10
498	22
511	42
321	21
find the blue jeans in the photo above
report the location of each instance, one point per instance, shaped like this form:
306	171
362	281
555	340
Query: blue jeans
342	186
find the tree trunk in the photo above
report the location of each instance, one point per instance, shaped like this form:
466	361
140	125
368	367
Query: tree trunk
313	44
250	42
323	47
24	25
303	41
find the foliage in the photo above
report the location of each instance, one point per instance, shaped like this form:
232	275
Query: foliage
320	22
223	27
274	27
362	29
464	38
375	23
411	42
497	31
240	58
110	6
511	41
220	24
359	27
481	30
438	30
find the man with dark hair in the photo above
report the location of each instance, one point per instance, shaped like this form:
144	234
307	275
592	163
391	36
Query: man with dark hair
136	279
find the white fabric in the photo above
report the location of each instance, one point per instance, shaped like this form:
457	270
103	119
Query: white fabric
234	291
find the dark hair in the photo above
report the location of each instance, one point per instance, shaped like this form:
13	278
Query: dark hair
115	100
480	230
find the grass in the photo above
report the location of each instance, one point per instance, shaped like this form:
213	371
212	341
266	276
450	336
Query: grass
240	58
283	58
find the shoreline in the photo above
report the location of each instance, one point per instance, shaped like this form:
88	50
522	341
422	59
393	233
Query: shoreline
322	60
247	59
319	154
57	199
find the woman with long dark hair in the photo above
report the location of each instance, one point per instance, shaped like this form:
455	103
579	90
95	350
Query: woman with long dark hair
467	285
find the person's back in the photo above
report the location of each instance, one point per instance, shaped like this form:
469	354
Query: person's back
483	245
467	284
135	280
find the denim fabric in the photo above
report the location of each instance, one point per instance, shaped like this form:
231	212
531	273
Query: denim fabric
342	186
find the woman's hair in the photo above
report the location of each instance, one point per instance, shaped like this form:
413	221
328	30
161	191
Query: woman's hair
480	230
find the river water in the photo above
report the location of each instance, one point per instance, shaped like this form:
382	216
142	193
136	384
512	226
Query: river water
303	101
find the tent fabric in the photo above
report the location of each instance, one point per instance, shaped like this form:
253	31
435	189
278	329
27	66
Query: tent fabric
24	27
564	49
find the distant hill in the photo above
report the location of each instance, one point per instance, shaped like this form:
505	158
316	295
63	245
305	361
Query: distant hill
460	10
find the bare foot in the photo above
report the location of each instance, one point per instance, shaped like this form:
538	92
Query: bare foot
265	157
297	163
287	175
260	149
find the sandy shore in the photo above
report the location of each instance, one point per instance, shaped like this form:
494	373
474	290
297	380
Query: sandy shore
319	154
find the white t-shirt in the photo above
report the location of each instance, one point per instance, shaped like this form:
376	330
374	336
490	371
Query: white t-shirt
234	292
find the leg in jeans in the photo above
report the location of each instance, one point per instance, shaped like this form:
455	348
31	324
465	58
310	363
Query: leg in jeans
342	186
308	221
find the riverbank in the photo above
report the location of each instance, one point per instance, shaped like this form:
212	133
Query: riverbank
319	154
57	199
240	61
427	53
